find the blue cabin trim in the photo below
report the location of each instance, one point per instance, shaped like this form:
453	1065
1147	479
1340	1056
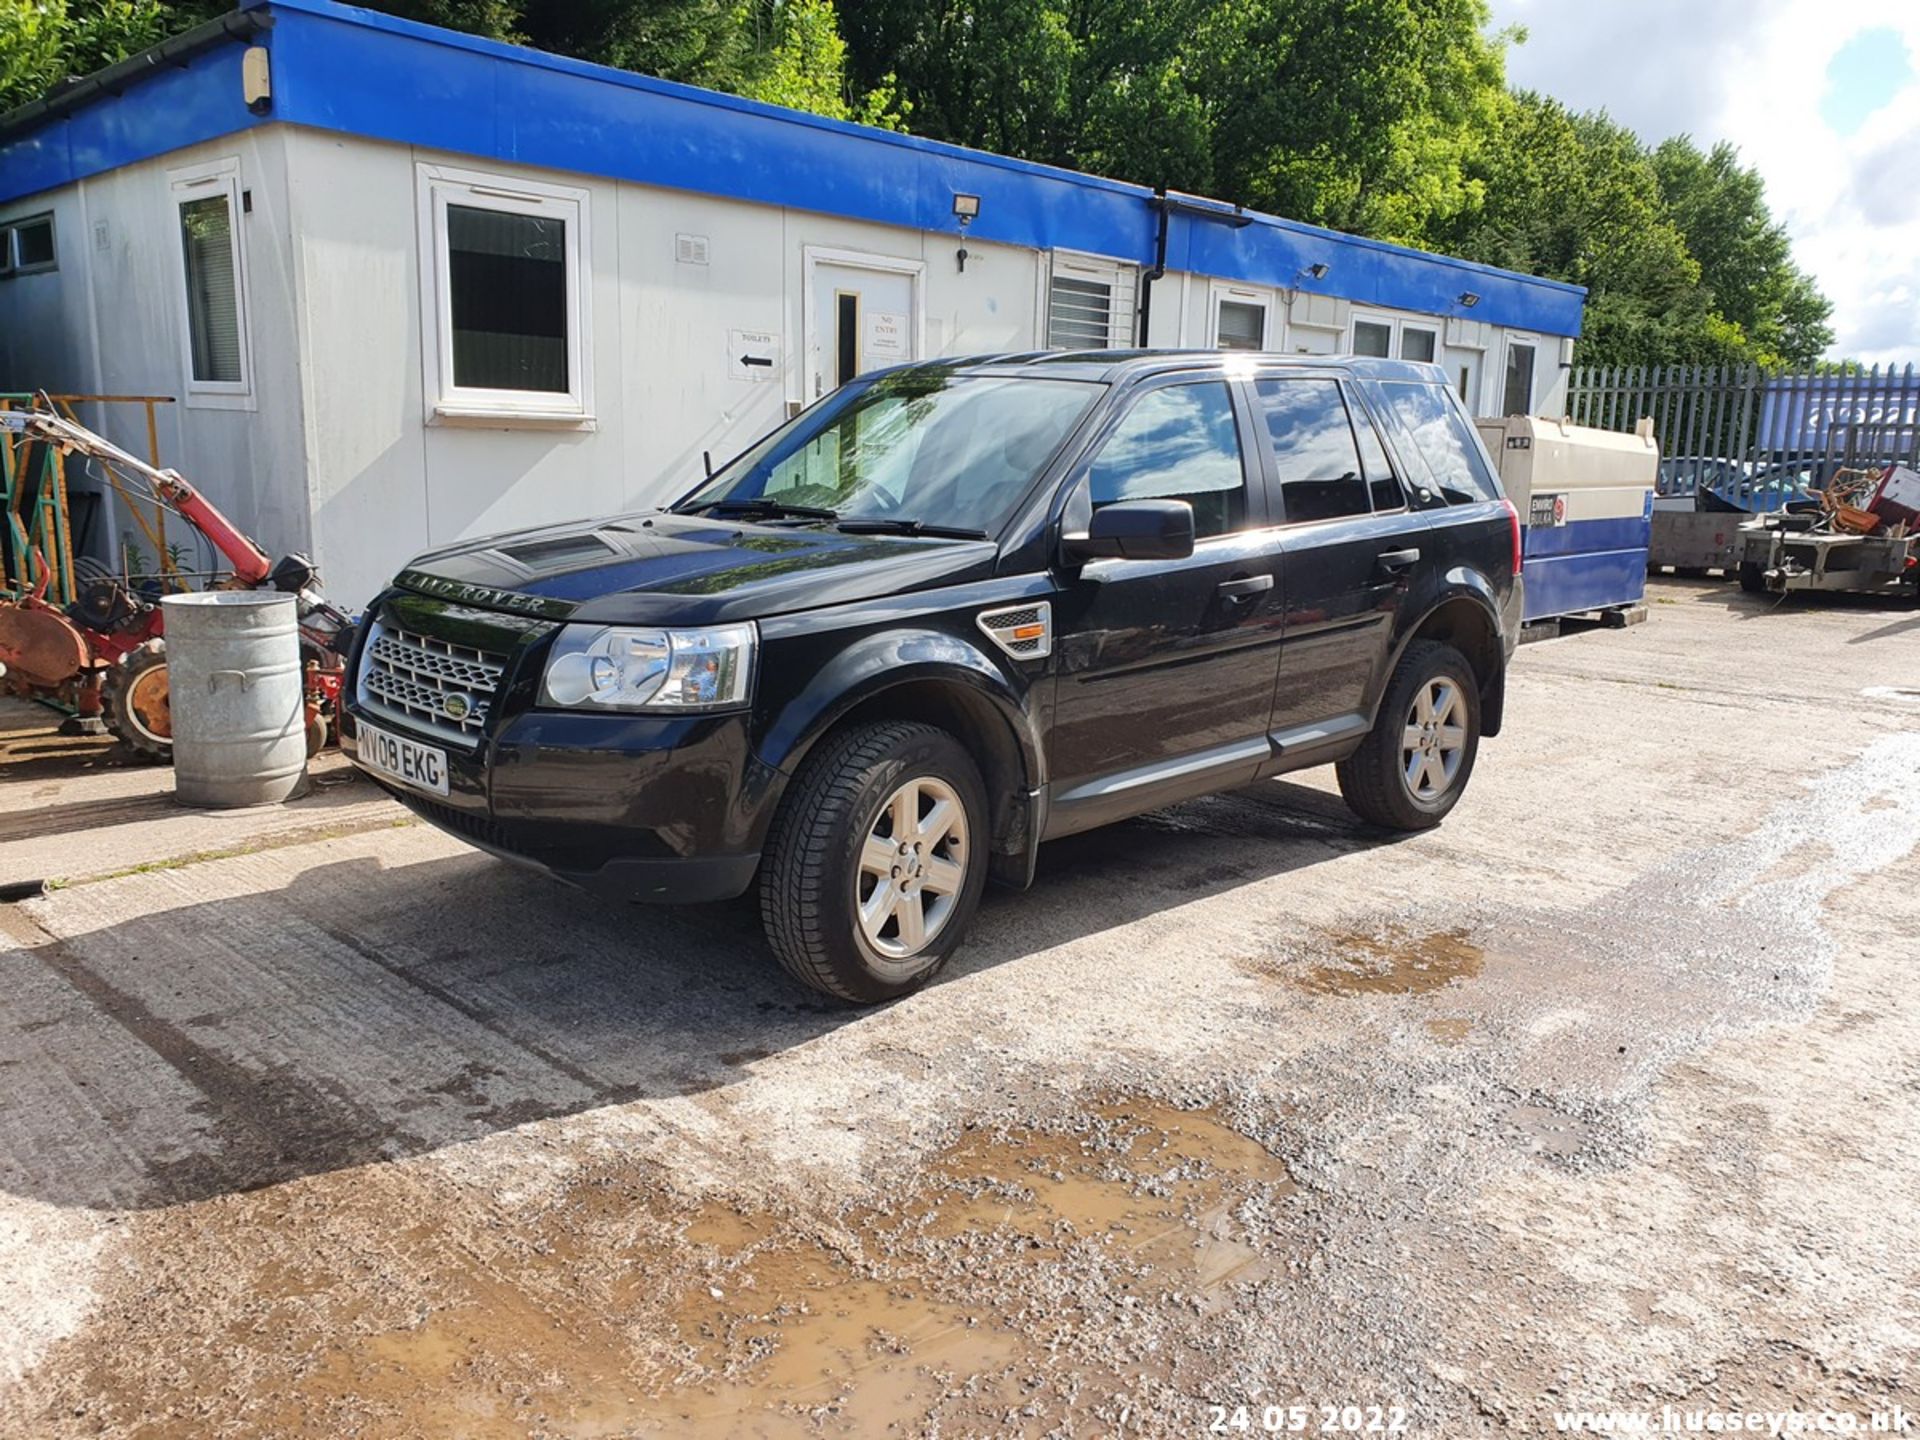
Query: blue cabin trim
336	67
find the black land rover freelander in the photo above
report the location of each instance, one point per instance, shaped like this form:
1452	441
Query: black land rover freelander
948	612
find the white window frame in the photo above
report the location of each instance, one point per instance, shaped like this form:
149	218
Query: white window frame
10	245
1220	291
197	182
1397	326
1361	317
447	403
1400	341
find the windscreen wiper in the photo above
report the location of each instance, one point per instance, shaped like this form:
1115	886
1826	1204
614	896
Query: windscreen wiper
761	506
892	525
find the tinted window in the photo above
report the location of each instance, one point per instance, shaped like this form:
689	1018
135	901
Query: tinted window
1519	388
1177	443
1444	441
1371	338
508	282
33	243
1387	494
1313	449
213	293
1416	344
1241	326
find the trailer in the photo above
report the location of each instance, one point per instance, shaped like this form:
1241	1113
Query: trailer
1783	553
1859	535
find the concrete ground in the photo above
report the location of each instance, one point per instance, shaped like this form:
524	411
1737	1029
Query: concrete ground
314	1122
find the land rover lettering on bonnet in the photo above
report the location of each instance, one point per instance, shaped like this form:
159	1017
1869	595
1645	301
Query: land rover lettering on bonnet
950	612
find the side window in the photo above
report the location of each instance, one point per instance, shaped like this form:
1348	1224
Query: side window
1381	481
1371	337
213	292
1313	449
1518	391
1177	443
1445	441
506	288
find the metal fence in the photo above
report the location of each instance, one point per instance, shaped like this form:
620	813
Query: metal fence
1810	423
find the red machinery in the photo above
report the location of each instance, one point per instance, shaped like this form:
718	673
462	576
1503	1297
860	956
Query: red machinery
105	653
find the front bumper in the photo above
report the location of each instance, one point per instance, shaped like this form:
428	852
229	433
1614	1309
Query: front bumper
639	807
627	807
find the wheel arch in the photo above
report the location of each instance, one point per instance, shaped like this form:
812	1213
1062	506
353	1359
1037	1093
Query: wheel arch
957	689
1465	620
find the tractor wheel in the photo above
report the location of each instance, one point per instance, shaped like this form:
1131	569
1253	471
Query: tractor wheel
136	701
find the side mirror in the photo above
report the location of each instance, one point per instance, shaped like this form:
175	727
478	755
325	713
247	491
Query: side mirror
1134	530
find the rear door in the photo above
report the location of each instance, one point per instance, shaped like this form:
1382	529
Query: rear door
1167	667
1453	483
1353	550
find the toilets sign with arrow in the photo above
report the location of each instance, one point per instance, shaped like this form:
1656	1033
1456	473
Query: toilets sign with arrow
753	354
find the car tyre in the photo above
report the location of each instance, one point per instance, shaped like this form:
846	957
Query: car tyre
1753	579
876	862
1414	764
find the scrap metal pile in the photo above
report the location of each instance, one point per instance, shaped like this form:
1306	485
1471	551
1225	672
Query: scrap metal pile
1879	501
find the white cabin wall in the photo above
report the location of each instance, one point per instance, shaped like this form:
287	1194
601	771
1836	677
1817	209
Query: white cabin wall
388	484
110	319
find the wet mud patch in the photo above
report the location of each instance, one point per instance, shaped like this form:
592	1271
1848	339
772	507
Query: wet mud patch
1602	997
1394	959
1030	1276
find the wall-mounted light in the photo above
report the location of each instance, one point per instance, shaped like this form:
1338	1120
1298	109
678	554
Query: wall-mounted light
965	209
1318	270
1468	299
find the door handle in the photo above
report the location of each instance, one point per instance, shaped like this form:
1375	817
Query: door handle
1245	588
1395	562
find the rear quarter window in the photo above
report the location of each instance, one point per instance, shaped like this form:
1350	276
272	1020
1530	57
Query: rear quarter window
1443	440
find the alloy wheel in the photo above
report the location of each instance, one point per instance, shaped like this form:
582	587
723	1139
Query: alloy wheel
913	866
1434	740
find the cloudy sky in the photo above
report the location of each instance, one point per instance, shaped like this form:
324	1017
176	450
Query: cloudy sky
1823	96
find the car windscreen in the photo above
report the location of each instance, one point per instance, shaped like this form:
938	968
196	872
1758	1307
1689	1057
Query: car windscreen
927	445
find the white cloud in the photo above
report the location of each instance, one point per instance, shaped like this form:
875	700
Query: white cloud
1754	72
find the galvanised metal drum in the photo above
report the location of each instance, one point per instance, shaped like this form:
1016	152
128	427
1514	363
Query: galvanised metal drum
233	666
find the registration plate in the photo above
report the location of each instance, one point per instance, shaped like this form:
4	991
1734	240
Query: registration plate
424	767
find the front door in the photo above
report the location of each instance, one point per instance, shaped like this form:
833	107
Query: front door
1167	667
865	315
1353	549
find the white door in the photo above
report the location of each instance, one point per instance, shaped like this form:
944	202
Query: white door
863	314
1463	369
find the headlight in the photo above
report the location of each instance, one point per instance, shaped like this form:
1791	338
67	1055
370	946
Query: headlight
615	667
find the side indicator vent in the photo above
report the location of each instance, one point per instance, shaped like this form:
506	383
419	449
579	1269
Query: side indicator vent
1023	631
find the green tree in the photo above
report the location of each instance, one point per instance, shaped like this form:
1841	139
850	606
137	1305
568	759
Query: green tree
1577	198
44	41
1745	257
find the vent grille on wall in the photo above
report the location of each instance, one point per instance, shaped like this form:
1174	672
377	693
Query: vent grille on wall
1089	304
690	249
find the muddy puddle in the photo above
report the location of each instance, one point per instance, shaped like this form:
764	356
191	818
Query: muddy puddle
1394	960
1022	1279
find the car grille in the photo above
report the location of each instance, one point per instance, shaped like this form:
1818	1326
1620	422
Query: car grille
430	684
